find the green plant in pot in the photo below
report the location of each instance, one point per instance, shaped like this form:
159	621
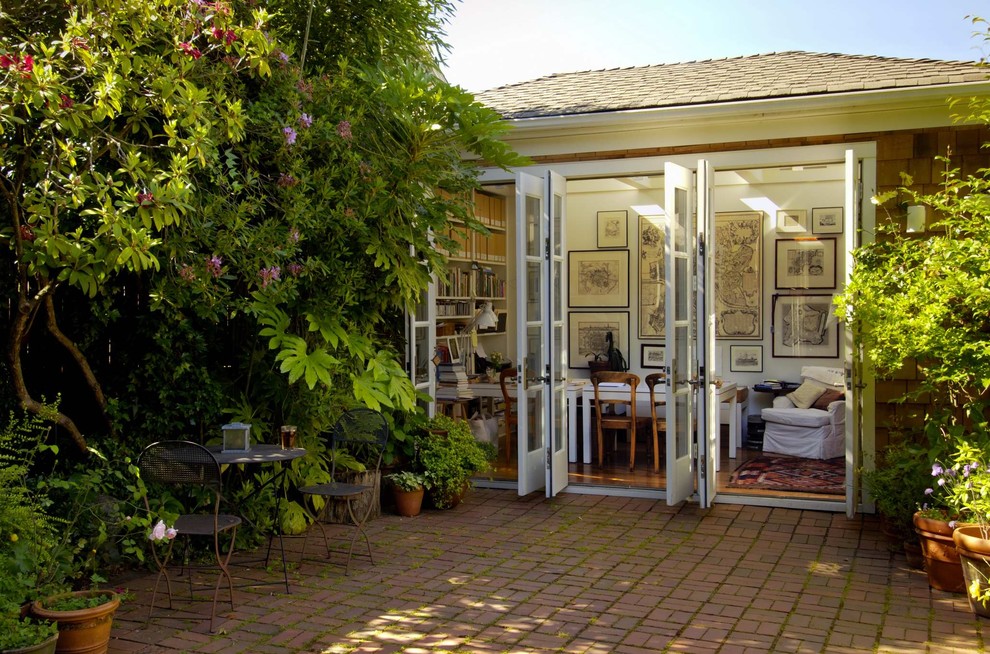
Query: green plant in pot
408	489
896	483
449	460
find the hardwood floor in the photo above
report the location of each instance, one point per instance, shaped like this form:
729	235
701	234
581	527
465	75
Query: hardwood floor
616	473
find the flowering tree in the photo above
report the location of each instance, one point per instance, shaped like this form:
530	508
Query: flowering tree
104	123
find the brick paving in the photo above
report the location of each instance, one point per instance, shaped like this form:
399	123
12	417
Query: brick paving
584	574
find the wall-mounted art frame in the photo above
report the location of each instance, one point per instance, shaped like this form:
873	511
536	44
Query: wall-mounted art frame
745	358
586	335
652	355
826	220
792	221
652	301
739	274
613	230
805	263
598	278
805	326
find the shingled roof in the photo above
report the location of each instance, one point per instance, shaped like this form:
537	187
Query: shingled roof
774	75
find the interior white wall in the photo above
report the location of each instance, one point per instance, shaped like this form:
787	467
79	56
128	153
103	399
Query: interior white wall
787	190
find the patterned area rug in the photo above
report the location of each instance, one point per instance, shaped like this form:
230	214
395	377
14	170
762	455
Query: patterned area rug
791	473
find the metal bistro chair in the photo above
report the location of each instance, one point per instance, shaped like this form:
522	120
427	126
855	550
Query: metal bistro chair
657	424
618	413
190	466
358	431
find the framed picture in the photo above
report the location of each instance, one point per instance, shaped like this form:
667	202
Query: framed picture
652	302
586	332
745	358
826	220
612	229
652	355
805	263
598	278
805	326
739	274
792	221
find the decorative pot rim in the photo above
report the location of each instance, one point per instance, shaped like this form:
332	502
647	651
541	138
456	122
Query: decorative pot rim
969	539
38	608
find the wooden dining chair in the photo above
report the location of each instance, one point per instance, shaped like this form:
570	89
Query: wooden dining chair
511	409
656	424
618	413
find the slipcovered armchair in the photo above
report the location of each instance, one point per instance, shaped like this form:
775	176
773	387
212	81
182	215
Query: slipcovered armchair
811	421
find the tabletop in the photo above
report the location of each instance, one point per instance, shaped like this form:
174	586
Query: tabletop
259	453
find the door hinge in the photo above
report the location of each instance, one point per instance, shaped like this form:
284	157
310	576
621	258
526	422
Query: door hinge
548	457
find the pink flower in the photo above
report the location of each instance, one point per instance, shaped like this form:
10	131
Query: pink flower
290	135
145	199
295	269
269	275
24	66
344	130
27	234
190	50
214	265
227	36
187	273
65	102
160	532
286	180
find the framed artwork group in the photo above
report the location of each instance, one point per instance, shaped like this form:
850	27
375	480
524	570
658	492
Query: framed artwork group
804	263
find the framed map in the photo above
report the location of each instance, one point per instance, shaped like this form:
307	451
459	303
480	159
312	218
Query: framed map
598	278
651	277
586	336
805	326
739	275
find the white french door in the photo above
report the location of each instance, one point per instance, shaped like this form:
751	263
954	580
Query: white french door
708	423
679	344
692	437
540	336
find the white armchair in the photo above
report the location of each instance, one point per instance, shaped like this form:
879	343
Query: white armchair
815	427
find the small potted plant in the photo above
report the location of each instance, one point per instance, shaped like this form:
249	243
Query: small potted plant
450	459
408	489
26	636
898	479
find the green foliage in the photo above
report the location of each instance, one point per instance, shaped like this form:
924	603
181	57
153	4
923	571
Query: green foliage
898	482
407	480
449	456
16	632
76	602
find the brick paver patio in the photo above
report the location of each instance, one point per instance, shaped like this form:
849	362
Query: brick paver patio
584	574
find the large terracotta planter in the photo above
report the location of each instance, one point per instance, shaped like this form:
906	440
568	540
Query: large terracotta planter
974	557
941	558
408	503
84	631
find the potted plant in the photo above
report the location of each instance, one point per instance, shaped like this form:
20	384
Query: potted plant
26	636
408	489
449	460
896	482
84	618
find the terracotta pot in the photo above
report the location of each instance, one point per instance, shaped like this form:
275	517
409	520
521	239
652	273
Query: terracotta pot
408	503
85	631
47	647
941	558
974	556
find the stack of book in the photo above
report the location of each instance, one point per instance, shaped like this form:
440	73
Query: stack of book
452	382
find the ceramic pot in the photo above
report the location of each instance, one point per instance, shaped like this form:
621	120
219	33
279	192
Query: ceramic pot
408	503
83	631
46	647
974	557
941	558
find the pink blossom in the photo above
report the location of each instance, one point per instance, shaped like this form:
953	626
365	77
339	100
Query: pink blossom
344	130
187	273
295	269
269	275
290	135
65	102
214	265
27	234
160	532
190	50
145	199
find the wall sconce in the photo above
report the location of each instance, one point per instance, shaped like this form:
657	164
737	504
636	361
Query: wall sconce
915	218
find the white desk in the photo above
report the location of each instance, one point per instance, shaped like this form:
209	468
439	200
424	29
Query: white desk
726	394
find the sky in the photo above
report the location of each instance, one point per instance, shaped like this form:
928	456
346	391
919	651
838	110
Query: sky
498	42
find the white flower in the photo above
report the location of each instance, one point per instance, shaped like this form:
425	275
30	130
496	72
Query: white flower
160	532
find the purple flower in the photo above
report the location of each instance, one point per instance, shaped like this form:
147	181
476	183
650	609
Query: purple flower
937	470
283	57
214	265
294	235
941	481
952	524
290	135
305	121
929	491
344	130
268	275
286	180
295	269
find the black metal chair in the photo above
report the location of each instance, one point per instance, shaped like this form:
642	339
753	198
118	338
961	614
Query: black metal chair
361	433
183	465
